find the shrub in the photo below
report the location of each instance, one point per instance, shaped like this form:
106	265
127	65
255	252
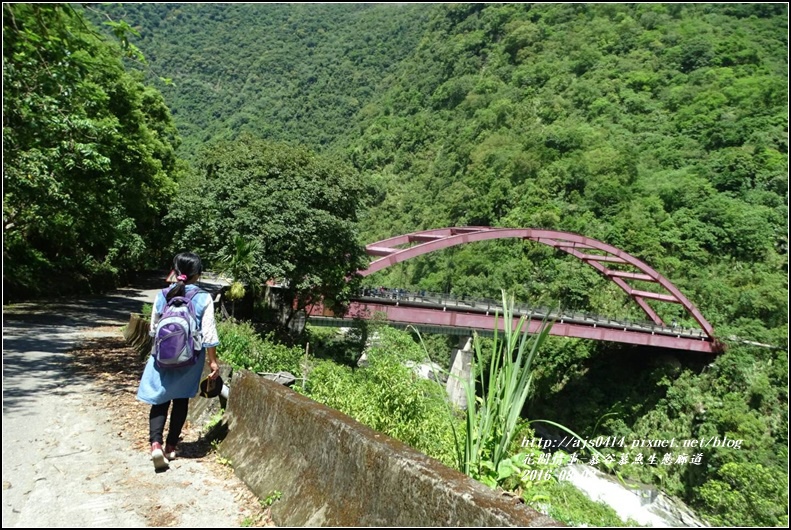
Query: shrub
242	347
388	396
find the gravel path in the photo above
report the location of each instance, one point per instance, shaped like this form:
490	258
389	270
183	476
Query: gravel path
75	438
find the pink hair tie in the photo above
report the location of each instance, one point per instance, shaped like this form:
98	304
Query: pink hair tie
181	277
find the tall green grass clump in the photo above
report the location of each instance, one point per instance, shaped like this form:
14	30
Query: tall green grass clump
492	420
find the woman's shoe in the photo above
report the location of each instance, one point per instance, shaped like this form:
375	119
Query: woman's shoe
170	452
158	456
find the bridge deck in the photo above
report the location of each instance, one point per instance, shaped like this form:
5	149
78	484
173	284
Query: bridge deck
480	316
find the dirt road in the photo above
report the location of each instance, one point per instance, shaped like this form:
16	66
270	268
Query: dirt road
75	438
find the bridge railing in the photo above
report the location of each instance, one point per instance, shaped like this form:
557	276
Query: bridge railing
488	306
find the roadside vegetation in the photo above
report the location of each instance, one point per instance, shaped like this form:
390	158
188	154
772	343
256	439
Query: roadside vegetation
484	441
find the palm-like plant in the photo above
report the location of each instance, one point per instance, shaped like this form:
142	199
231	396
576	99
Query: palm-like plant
238	262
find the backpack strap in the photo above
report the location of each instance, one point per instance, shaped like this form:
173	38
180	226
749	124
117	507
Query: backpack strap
192	293
189	293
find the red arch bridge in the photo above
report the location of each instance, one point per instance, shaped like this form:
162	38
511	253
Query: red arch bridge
442	313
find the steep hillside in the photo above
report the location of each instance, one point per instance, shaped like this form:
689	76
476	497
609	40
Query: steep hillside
292	72
658	129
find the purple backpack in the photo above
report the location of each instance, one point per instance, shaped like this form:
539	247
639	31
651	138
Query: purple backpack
177	339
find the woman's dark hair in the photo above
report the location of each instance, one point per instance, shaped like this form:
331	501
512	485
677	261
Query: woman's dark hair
185	264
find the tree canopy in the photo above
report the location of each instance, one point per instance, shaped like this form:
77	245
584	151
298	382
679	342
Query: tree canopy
297	210
88	155
296	73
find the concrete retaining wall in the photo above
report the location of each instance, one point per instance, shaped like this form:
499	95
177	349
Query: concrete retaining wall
334	471
136	335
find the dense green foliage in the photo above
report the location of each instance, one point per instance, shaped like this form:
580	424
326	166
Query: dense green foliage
388	396
299	209
746	488
596	120
88	156
742	395
242	346
297	73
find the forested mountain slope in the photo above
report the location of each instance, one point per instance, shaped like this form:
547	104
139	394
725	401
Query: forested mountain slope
661	129
658	129
290	72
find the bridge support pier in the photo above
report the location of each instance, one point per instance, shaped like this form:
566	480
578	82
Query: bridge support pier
460	367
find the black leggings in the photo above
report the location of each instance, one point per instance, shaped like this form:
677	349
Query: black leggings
158	416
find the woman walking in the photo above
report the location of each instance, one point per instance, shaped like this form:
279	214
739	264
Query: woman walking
159	385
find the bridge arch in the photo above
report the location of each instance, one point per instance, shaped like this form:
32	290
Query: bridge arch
590	251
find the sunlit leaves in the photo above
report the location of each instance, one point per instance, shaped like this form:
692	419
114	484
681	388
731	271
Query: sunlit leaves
87	155
291	210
